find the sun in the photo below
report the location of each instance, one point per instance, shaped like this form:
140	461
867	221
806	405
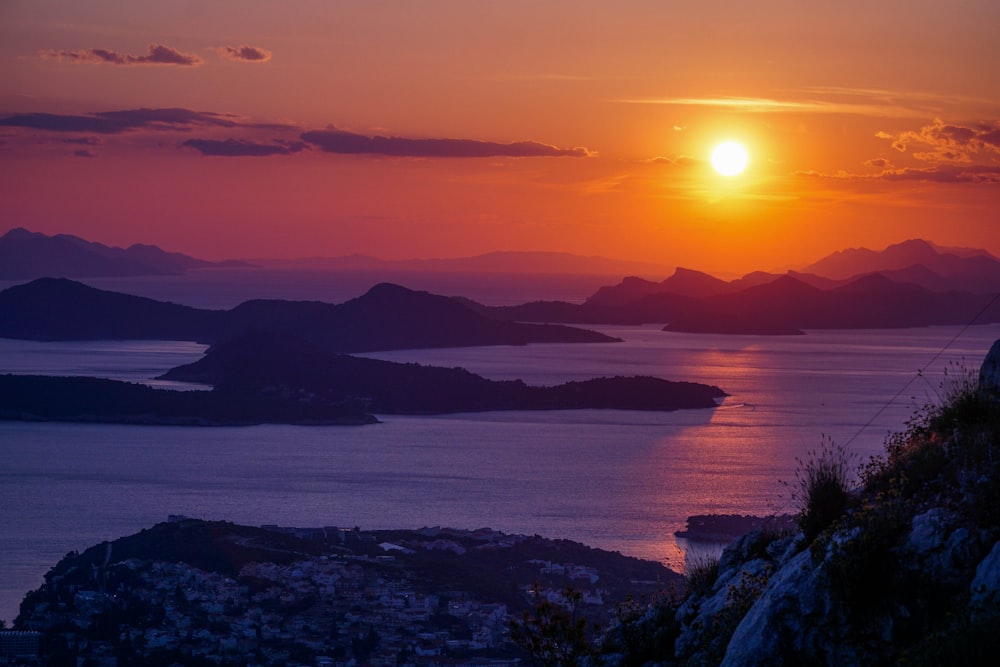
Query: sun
730	158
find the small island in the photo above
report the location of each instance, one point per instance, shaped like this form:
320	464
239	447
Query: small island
267	377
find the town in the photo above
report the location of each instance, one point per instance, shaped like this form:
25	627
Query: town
211	593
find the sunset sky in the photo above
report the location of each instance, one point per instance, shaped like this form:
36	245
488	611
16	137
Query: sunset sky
235	128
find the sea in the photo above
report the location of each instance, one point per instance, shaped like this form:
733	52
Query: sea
618	480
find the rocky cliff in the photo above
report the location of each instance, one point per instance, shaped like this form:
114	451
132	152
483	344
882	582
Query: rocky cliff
906	571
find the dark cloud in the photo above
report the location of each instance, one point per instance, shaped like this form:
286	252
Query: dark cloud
332	140
84	153
83	141
947	142
878	162
243	148
156	54
246	54
116	122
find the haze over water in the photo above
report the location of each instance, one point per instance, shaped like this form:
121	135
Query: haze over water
611	479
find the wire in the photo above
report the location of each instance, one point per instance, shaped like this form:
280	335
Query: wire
920	371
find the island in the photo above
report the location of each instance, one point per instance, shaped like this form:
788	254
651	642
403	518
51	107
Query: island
268	377
387	317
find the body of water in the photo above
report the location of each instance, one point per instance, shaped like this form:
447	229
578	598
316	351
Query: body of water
611	479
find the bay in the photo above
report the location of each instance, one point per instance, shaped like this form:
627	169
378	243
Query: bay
612	479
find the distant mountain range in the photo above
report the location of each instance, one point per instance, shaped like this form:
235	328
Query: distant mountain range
786	304
906	285
284	361
25	255
493	262
914	283
917	260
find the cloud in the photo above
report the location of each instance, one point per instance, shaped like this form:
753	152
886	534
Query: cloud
117	122
243	148
947	142
878	162
942	173
83	141
245	54
332	140
680	160
157	54
84	153
945	174
841	103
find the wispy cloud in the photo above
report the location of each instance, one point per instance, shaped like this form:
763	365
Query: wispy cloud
332	140
680	160
245	54
157	54
117	122
943	173
773	105
243	148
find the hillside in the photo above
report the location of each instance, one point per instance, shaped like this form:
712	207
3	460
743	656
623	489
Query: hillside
198	592
387	317
902	570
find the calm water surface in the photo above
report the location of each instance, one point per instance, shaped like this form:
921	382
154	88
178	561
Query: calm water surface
612	479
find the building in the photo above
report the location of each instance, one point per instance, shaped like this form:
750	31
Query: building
18	645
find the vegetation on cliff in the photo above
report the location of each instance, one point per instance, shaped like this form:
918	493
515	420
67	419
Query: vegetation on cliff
902	570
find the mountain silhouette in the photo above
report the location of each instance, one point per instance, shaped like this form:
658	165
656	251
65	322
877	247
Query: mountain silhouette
279	364
387	317
968	270
25	255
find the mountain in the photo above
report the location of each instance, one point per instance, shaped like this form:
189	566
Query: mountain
25	255
492	262
869	302
973	271
278	364
62	309
387	317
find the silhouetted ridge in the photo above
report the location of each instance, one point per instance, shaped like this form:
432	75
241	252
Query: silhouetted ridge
62	309
26	255
387	317
270	363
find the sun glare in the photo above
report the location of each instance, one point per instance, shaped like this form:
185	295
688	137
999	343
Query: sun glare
730	158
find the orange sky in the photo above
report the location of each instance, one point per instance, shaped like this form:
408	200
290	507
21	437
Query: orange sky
441	129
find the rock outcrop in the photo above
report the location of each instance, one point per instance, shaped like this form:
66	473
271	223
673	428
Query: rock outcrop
989	372
908	574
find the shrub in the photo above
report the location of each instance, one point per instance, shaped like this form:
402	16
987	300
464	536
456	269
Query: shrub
702	573
862	569
953	448
822	487
643	633
552	634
